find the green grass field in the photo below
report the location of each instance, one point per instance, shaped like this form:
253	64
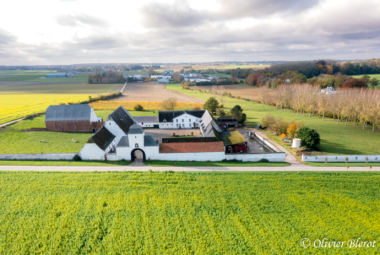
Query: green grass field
62	163
14	140
22	77
370	75
336	139
186	213
209	163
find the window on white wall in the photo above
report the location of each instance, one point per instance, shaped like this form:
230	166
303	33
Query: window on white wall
176	121
136	145
183	120
189	120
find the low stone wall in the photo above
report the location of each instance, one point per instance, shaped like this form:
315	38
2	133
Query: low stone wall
39	156
342	158
261	139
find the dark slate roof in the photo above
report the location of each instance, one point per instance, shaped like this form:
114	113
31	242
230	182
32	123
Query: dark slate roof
68	112
149	141
136	129
122	118
226	118
124	142
169	115
147	119
103	138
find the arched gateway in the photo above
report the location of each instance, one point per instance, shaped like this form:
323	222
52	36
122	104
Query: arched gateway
137	154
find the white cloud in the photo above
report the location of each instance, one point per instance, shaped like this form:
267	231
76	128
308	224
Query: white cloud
69	32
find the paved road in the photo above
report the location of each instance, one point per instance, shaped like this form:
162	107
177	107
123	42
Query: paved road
191	169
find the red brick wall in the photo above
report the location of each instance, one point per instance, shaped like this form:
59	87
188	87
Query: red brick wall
69	126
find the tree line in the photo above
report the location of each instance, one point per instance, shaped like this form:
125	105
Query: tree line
355	105
106	77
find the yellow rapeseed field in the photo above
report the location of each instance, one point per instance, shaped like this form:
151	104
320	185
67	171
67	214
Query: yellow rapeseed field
189	213
129	105
17	106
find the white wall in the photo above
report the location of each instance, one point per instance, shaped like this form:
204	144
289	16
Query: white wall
167	125
38	156
218	156
114	129
186	121
136	138
91	151
124	153
341	158
93	117
267	143
147	124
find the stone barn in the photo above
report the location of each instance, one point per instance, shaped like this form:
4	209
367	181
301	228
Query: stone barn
72	118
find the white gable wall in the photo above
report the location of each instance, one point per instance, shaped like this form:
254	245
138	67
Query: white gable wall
114	129
93	117
91	151
136	140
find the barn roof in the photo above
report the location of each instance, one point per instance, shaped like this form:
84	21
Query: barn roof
147	119
170	115
68	112
208	125
122	118
103	138
124	142
149	141
191	147
231	137
136	129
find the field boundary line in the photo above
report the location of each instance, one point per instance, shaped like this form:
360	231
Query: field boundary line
123	88
11	122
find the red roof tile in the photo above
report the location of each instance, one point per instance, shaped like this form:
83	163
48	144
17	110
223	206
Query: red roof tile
191	147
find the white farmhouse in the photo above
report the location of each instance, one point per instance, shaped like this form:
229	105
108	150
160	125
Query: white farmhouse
179	119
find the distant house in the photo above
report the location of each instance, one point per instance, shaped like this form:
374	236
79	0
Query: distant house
169	72
179	119
72	118
56	75
287	81
163	80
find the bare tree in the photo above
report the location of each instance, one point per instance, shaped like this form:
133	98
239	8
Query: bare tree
169	104
263	95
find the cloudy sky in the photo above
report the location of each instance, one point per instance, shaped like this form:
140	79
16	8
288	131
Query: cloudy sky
91	31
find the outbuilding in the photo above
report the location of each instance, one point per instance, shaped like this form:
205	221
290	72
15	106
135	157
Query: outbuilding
72	118
56	75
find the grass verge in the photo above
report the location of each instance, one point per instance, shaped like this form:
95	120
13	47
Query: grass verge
216	164
62	163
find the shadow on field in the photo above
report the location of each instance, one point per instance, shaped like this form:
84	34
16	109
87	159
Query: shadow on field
327	146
